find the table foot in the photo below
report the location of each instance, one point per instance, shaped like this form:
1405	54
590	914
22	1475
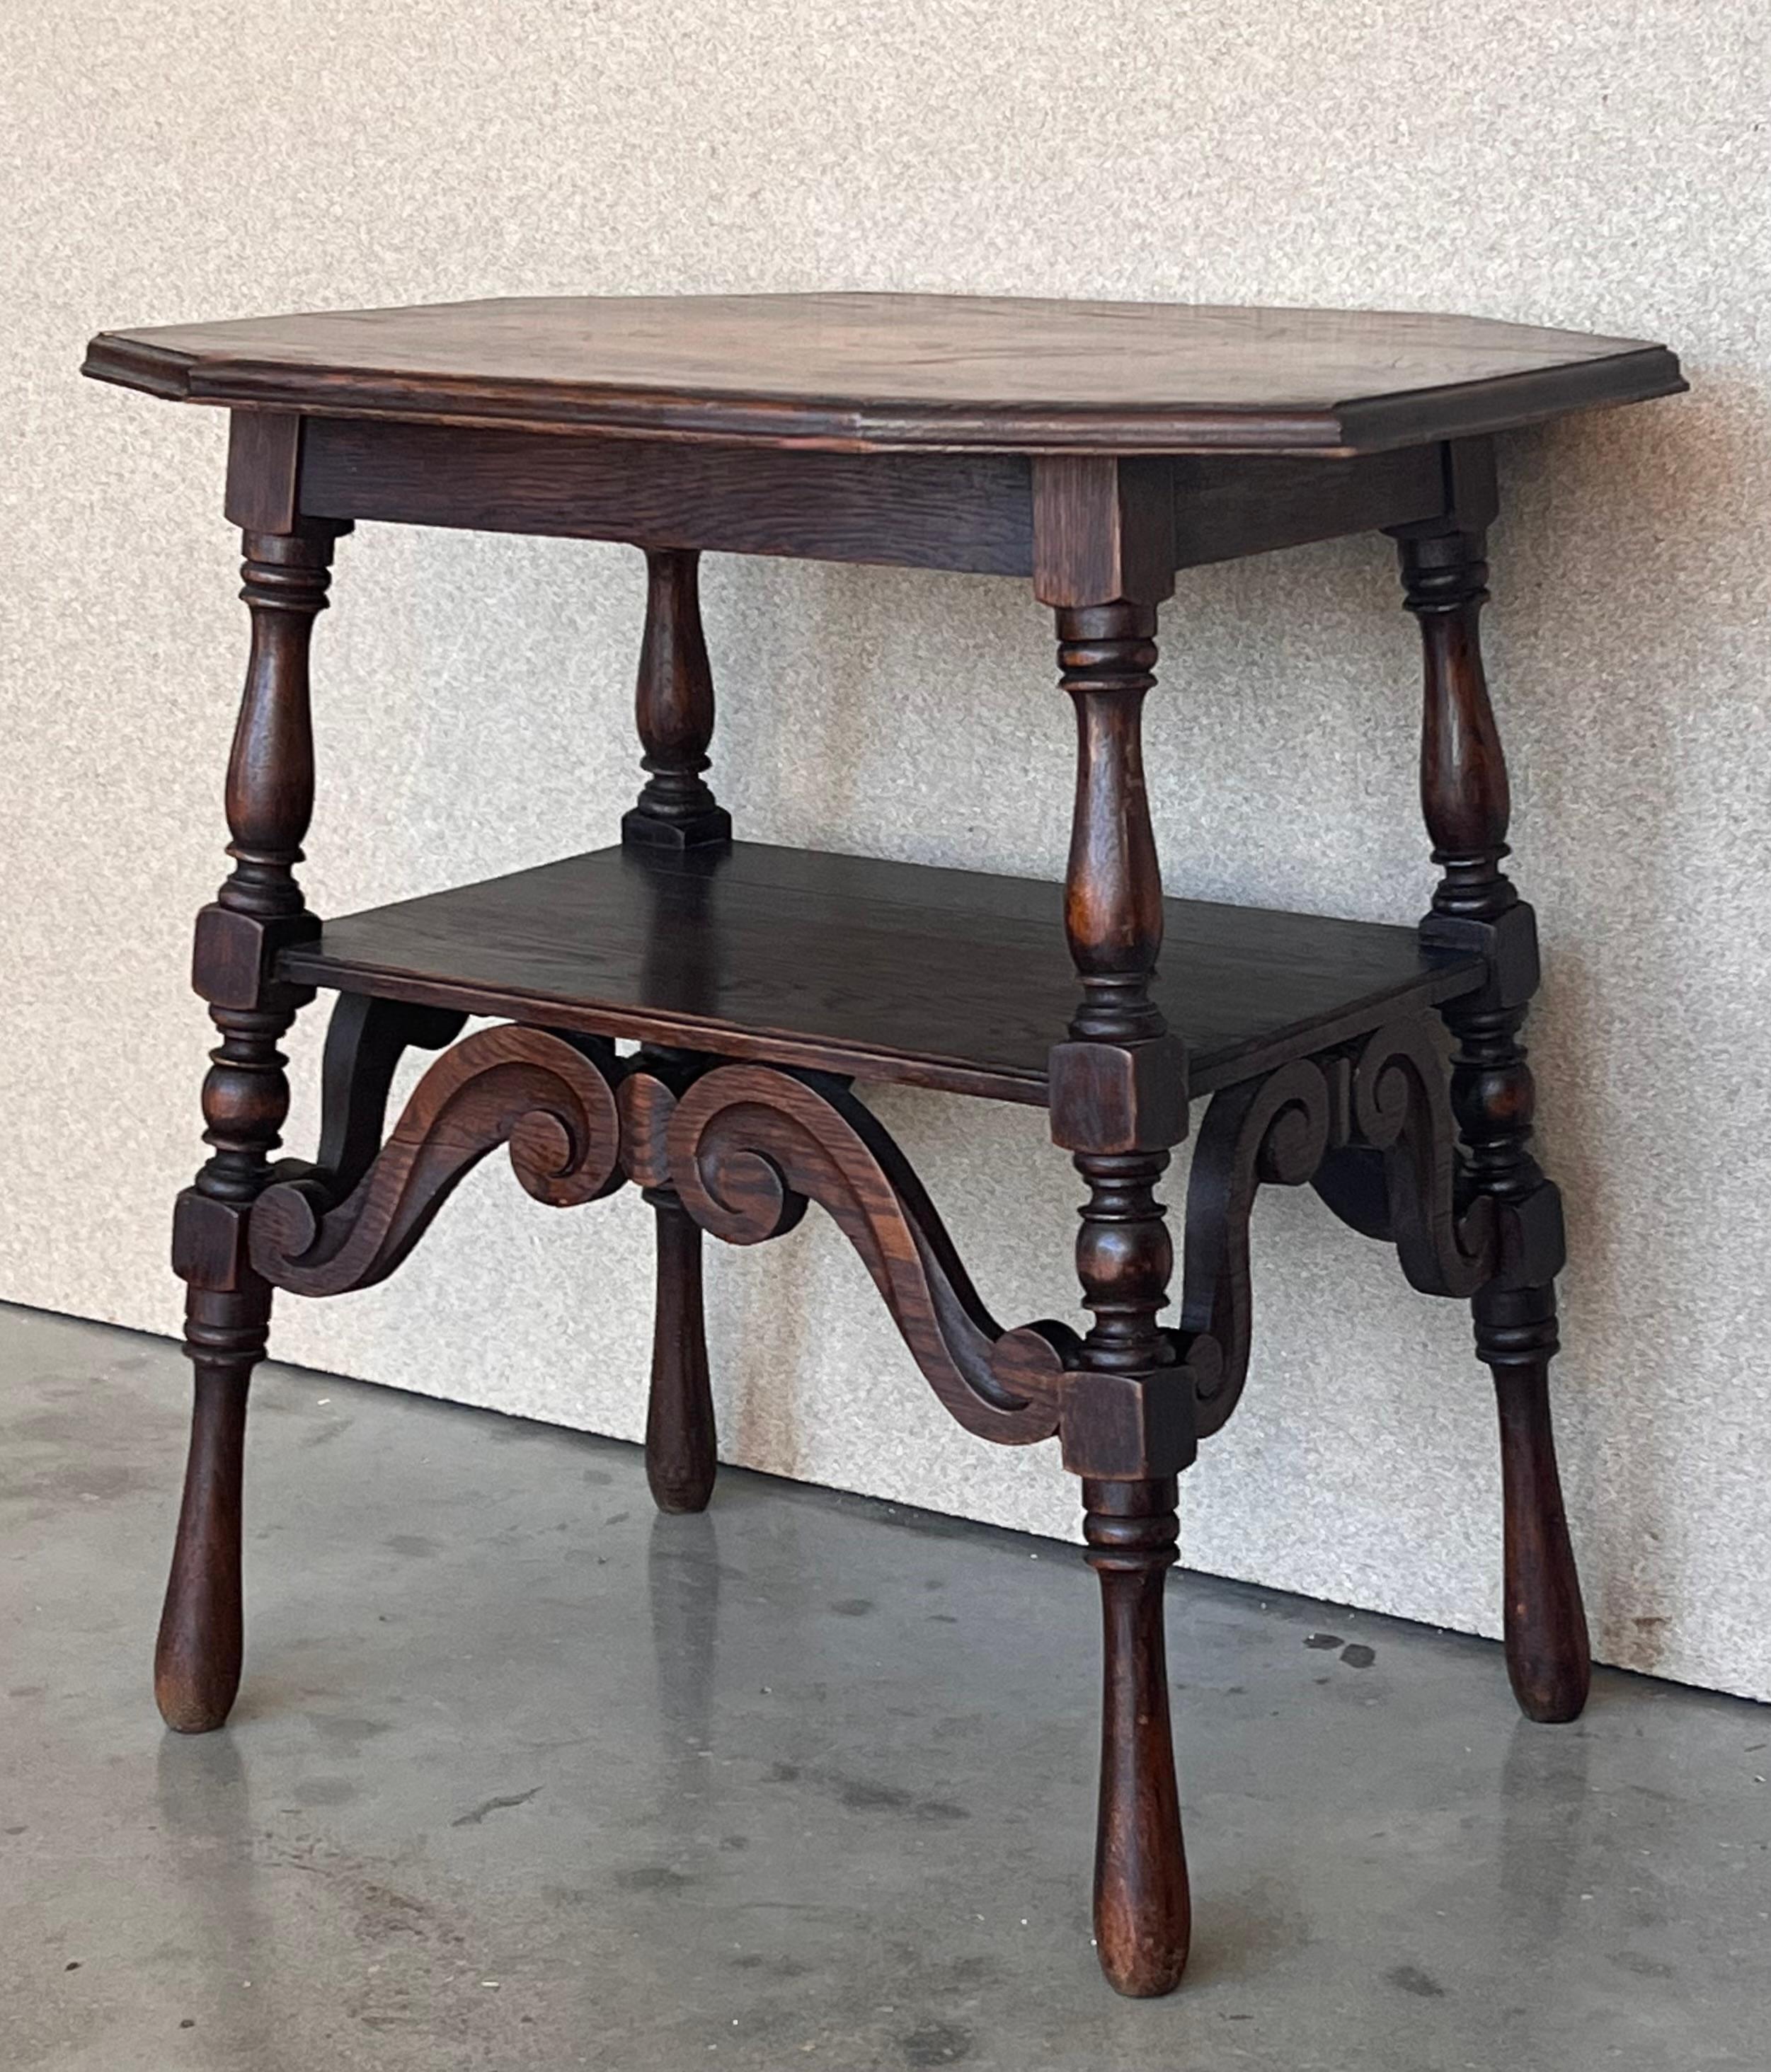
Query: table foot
681	1439
197	1657
1547	1653
1142	1909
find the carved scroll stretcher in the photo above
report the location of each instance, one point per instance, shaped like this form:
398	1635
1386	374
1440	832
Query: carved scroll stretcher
746	1147
551	1098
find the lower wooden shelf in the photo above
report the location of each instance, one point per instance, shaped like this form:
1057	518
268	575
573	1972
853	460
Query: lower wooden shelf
949	979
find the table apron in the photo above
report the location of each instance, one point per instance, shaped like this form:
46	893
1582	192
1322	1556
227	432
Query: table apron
967	513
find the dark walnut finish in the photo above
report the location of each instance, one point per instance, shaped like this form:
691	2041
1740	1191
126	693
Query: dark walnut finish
257	912
673	709
1094	450
1465	799
882	971
681	1438
876	372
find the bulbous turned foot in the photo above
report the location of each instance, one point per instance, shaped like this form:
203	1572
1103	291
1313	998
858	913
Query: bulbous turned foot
1143	1907
1548	1658
197	1658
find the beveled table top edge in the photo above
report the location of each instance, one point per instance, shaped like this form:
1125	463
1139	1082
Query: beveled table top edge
1609	372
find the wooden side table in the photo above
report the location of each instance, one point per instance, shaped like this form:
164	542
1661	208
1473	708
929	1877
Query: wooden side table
1097	448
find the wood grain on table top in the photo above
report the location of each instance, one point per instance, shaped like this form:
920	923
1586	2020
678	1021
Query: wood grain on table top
884	371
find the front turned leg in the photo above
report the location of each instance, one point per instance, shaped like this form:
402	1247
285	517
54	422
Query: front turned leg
681	1461
257	912
1143	1908
1117	1089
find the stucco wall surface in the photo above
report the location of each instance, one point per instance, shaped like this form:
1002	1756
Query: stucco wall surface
1581	163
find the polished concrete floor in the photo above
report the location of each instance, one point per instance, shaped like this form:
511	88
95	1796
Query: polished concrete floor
523	1775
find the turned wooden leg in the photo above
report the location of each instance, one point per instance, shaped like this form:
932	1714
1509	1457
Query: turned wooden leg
1142	1909
1117	1089
1465	800
681	1461
673	707
196	1659
1547	1656
256	913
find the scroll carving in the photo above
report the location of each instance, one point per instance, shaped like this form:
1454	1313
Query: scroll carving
1402	1106
750	1146
747	1148
1345	1119
1269	1131
549	1098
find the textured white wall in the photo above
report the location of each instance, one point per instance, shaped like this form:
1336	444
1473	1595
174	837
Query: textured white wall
1577	164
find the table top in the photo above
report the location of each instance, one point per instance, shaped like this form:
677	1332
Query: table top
882	372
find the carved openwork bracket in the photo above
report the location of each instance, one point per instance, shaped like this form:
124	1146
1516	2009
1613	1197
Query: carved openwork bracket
1373	1127
746	1147
550	1099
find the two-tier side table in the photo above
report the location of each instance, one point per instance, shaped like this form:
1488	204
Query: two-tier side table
1096	449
